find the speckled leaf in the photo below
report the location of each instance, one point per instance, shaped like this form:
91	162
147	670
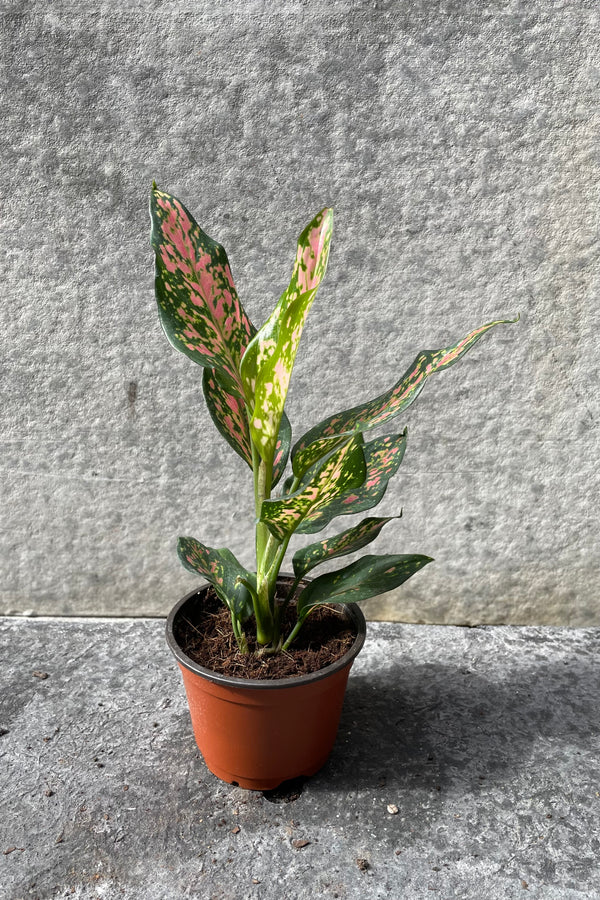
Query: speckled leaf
221	569
228	412
342	470
229	415
383	457
267	365
314	443
365	578
308	456
282	449
198	304
341	544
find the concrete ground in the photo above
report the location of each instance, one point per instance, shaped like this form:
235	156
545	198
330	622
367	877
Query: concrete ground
486	740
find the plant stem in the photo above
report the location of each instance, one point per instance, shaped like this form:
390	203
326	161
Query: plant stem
239	635
270	551
262	491
262	602
293	634
275	564
265	625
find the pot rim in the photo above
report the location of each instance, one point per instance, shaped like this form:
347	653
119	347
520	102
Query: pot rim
353	611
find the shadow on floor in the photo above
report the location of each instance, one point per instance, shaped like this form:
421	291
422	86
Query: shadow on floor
440	723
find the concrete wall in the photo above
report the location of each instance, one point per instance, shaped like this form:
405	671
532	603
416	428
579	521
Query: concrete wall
457	142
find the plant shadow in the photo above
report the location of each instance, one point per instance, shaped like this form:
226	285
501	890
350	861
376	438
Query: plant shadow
447	726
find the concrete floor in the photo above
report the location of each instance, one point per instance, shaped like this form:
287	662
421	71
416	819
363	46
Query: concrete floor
487	740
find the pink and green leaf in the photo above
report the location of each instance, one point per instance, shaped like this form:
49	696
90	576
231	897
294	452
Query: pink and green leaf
312	446
282	449
341	471
341	544
382	457
367	577
269	359
222	570
198	304
228	412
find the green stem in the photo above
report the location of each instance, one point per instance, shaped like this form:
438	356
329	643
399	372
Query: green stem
239	635
262	491
262	612
293	634
275	551
275	566
271	547
262	602
271	650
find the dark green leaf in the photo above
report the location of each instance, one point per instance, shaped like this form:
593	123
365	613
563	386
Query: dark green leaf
348	541
221	569
365	578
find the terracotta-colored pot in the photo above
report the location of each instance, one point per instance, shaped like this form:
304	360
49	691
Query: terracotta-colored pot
256	733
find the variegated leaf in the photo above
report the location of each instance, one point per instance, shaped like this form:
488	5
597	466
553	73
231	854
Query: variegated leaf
383	457
365	578
267	365
199	307
341	471
228	412
221	569
282	449
314	443
342	544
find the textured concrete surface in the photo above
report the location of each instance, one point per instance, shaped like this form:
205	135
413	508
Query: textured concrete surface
486	740
457	142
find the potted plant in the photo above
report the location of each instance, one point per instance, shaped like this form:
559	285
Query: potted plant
259	728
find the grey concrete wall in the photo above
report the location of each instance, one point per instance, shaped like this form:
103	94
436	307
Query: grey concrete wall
457	143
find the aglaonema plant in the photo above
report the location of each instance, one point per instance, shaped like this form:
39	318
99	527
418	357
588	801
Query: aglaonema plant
336	469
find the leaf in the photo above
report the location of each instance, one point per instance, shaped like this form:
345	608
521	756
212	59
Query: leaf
269	359
228	412
382	457
365	578
340	471
198	304
323	437
282	449
341	544
221	569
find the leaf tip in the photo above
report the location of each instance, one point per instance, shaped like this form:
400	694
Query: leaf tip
183	544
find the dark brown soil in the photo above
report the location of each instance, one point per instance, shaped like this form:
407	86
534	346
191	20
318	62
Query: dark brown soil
207	638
